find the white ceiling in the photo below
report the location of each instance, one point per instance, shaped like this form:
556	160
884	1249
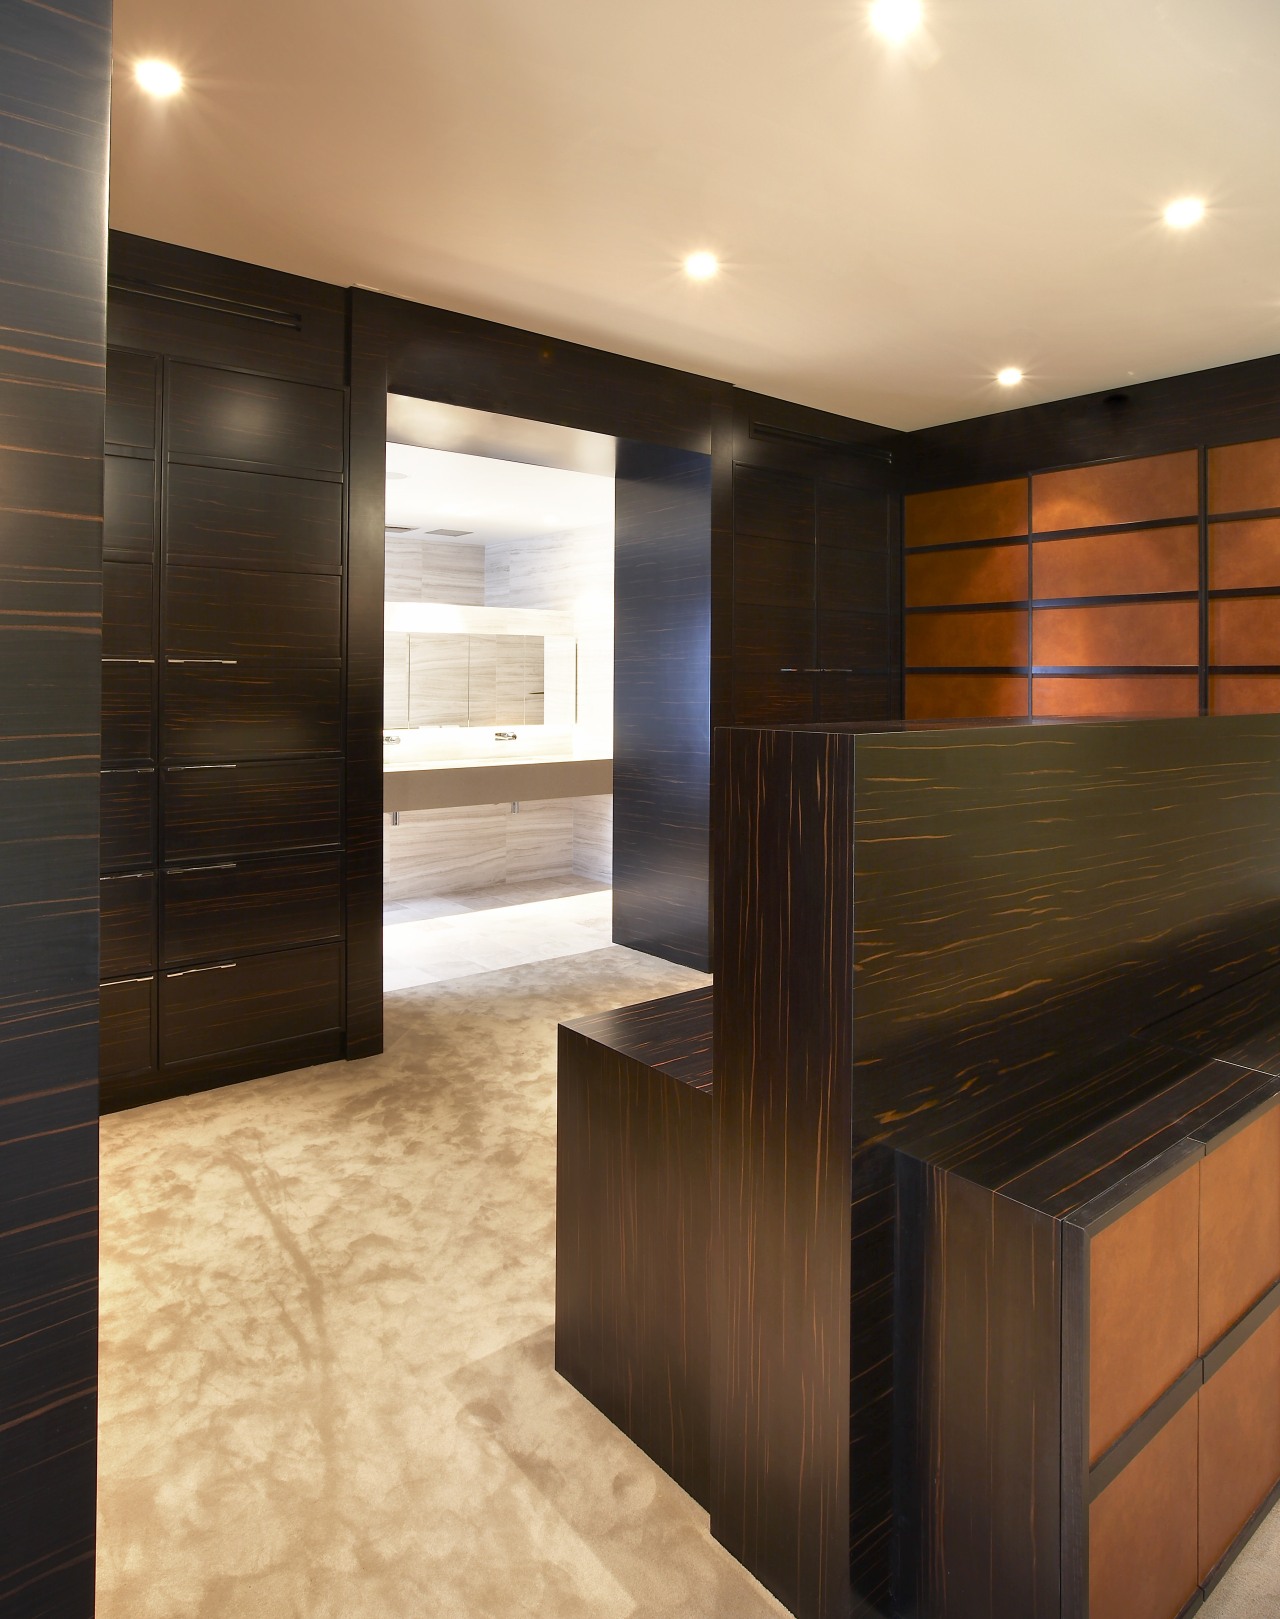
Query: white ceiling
895	226
490	500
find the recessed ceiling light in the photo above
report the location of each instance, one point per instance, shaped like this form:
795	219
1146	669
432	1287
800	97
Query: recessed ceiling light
1184	212
701	266
1010	377
157	78
896	20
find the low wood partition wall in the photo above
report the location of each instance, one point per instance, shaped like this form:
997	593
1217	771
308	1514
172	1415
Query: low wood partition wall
959	1290
1142	586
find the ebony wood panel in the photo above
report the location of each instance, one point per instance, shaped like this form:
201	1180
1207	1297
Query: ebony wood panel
128	807
780	1492
227	613
1244	477
633	1240
251	710
130	509
238	416
1124	696
1139	563
128	924
662	703
239	1005
993	511
55	70
253	520
226	907
128	610
1239	1441
128	711
128	1028
220	812
132	383
1136	634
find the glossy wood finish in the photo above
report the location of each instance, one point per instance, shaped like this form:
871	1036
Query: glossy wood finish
55	71
128	718
249	1003
1244	477
633	1223
1239	1411
128	1029
128	924
978	512
130	523
230	907
662	702
237	416
128	818
128	610
251	710
254	808
229	613
253	520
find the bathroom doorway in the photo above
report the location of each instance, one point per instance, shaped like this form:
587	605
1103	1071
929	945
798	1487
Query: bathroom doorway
498	692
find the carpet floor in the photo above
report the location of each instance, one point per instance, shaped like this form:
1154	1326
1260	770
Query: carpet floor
327	1382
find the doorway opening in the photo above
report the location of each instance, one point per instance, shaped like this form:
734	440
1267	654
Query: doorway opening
498	700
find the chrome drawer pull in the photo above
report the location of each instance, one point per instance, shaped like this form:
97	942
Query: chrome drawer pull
174	769
225	663
183	871
149	979
123	876
128	660
220	967
129	770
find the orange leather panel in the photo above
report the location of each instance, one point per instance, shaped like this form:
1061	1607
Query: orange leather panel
1098	696
1239	1225
1245	477
1245	556
1239	1441
1245	629
995	573
955	697
964	640
1244	694
1128	633
1137	563
1141	491
984	511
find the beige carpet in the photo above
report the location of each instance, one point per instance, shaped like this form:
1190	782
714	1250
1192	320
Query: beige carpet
327	1384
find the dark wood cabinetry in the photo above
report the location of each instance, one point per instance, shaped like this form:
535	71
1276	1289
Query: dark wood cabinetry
223	722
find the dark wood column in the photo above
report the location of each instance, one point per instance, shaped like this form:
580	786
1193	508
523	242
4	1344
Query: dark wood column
55	75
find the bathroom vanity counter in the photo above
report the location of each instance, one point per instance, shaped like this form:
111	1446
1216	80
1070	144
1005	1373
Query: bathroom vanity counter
424	784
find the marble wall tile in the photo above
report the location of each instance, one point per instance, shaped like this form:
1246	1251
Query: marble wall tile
422	570
395	695
540	840
593	837
438	679
447	851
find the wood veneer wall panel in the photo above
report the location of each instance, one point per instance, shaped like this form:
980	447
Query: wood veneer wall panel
966	640
1244	630
932	697
972	574
1239	1226
1088	696
1245	555
1244	694
1138	491
1147	562
1143	1530
55	73
1144	1290
1117	635
1239	1410
992	511
1244	477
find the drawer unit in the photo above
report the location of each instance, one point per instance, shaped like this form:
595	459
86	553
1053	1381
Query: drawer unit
217	812
128	710
237	710
127	926
239	906
229	613
128	510
126	1045
230	1006
236	416
128	817
128	610
131	398
230	519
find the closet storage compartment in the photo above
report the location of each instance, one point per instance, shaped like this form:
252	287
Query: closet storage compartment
260	1000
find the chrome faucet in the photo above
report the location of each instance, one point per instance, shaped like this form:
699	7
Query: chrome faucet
388	737
504	736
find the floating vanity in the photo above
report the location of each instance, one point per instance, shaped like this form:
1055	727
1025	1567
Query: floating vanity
455	783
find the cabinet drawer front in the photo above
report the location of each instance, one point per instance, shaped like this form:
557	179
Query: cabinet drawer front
127	924
128	819
218	813
847	698
248	711
131	399
128	712
224	613
251	904
128	509
124	1028
1239	1225
128	610
1144	1292
1239	1440
240	417
209	1011
253	520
